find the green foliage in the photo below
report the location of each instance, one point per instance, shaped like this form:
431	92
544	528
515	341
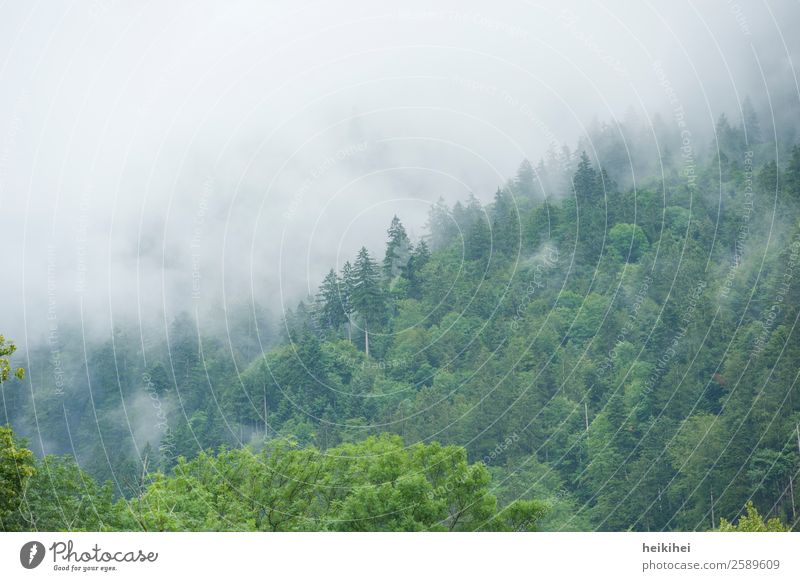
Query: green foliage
377	484
398	251
628	241
332	311
60	496
16	469
6	370
610	358
752	522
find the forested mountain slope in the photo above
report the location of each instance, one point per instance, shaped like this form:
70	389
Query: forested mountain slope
613	357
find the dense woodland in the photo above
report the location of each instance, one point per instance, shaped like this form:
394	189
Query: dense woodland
610	344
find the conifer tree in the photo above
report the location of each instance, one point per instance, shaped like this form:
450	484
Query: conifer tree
440	225
331	310
347	280
792	180
398	251
584	180
420	256
505	222
478	243
750	123
367	297
524	181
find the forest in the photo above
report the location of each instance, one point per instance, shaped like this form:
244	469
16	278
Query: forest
610	343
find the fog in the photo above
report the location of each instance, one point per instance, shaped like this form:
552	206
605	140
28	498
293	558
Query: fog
177	156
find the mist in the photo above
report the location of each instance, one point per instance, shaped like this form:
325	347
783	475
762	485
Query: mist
193	156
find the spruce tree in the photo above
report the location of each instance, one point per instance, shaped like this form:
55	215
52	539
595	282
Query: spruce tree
420	256
331	311
398	251
478	243
367	296
584	180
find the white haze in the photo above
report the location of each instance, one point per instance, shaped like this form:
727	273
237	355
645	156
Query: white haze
178	155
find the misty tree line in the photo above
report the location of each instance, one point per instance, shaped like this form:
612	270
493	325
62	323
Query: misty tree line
360	295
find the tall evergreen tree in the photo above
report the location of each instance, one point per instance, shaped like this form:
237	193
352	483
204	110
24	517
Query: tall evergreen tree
331	309
524	181
750	123
440	225
792	180
478	242
591	189
347	280
585	179
420	256
506	232
367	297
398	251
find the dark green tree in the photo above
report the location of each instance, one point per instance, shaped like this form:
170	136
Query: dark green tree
420	255
367	295
332	302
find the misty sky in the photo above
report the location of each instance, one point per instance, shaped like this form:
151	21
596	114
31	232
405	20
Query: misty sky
165	155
